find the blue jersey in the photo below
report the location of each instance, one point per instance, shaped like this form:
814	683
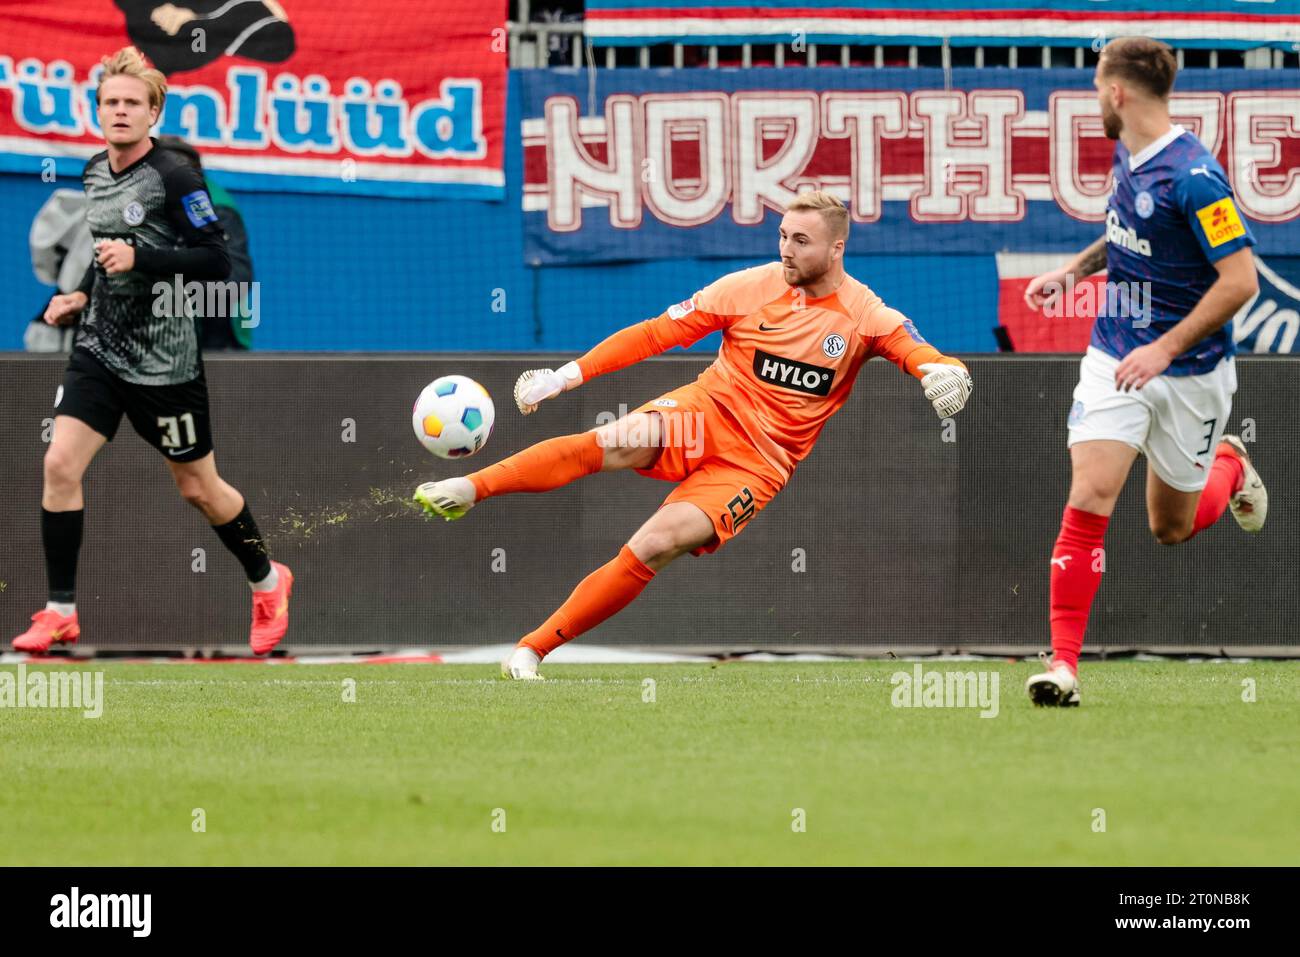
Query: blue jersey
1167	223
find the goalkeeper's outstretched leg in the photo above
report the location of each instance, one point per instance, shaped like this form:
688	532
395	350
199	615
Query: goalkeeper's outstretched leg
674	530
632	442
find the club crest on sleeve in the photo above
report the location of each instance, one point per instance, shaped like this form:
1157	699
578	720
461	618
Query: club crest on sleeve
198	207
133	214
682	309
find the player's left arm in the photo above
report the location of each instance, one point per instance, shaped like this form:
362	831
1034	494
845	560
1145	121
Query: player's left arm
946	380
202	254
1225	240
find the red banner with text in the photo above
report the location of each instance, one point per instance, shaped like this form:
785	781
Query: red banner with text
399	97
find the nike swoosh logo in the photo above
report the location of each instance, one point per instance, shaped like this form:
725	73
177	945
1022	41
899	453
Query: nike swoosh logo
763	328
175	452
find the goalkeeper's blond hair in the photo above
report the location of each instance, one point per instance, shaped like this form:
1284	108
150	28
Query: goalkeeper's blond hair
129	61
834	213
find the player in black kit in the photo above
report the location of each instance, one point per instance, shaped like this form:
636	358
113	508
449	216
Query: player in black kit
138	353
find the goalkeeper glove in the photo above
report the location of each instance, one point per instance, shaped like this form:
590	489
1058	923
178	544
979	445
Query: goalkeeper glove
946	386
537	385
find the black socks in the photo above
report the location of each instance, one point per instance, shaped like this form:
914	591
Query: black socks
61	536
241	537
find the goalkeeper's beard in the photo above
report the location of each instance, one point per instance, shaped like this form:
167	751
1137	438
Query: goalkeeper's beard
806	278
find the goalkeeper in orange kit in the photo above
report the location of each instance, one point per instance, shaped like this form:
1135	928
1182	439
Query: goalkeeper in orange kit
794	335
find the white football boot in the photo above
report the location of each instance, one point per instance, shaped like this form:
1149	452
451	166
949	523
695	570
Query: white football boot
1055	687
521	665
451	498
1250	505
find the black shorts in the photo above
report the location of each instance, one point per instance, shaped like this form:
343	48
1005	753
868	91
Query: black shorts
172	418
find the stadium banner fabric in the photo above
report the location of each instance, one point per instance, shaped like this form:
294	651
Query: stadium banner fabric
1207	23
663	164
304	98
1268	323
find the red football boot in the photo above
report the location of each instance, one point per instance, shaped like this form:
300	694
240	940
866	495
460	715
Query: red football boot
49	628
271	612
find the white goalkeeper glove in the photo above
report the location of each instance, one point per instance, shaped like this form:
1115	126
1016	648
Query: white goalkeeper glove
946	386
537	385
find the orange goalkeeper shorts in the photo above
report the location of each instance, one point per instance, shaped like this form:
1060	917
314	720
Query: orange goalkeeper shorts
716	465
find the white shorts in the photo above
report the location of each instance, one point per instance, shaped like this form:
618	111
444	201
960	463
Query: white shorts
1176	421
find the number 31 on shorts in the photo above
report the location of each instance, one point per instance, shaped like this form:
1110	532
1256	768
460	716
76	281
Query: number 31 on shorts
171	430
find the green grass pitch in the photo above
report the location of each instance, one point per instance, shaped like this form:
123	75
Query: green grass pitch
445	764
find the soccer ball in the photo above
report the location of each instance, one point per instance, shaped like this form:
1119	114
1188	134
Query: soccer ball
453	416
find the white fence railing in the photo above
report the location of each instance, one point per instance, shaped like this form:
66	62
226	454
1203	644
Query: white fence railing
543	44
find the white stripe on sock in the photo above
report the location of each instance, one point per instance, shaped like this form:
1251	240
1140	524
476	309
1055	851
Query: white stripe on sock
268	583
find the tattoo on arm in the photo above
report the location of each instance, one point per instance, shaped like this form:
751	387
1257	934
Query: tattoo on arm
1093	259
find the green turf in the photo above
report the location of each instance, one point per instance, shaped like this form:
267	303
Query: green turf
711	772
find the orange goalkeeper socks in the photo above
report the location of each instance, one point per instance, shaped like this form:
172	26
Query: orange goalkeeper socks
602	594
541	467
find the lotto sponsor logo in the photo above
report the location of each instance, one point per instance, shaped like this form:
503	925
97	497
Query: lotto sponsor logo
1220	222
791	374
1125	238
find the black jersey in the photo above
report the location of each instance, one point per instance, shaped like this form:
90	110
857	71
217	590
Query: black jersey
160	205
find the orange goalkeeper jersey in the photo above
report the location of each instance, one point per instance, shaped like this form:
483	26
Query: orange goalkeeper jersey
787	362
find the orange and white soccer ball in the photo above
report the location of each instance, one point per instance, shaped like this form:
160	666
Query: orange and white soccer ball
453	416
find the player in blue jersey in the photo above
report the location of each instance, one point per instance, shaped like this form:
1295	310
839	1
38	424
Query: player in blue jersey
1158	376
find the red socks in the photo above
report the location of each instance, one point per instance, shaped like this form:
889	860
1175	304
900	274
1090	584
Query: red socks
1078	559
1077	564
602	594
1226	477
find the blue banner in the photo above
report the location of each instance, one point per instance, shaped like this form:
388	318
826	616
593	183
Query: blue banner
1270	321
662	164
